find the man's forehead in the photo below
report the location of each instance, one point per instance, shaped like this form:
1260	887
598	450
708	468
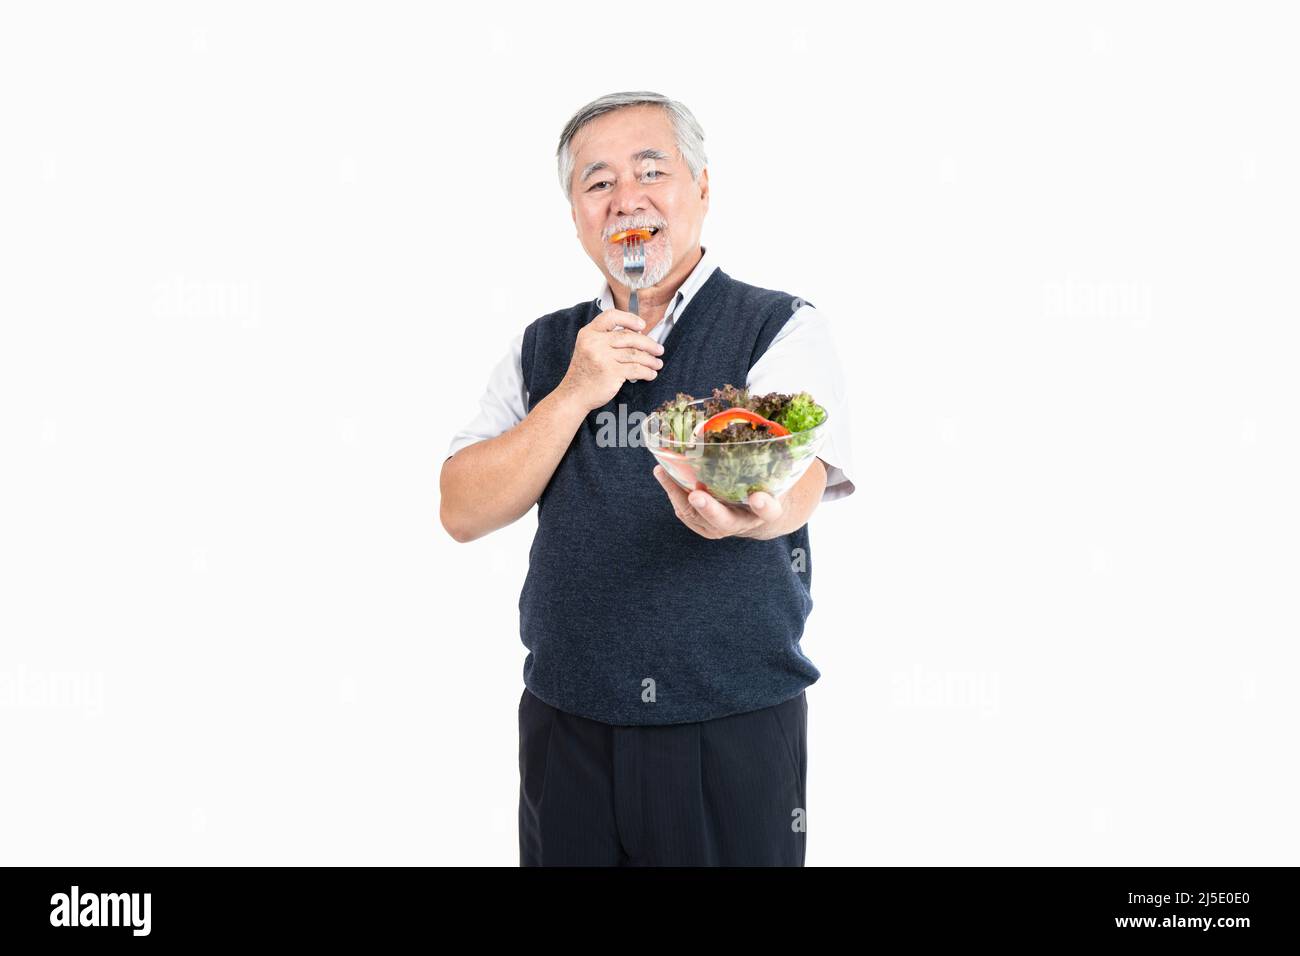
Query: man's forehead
625	133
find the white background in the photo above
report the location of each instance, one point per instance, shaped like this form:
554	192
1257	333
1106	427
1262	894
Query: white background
252	279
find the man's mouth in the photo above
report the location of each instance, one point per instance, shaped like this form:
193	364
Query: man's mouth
620	235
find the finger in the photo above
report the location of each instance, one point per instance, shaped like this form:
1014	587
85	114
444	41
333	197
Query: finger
629	339
676	494
681	506
723	519
768	508
628	320
610	318
634	371
637	356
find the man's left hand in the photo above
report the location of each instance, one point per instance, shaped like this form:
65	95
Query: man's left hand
710	518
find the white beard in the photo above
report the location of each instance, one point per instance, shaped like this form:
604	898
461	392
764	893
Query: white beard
657	266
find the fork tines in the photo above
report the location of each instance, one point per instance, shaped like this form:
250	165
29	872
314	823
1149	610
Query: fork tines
633	266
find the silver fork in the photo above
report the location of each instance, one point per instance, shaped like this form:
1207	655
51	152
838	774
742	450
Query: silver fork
633	267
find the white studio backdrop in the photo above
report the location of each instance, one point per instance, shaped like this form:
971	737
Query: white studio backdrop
257	260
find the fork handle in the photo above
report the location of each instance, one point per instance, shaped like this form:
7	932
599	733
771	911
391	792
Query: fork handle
632	305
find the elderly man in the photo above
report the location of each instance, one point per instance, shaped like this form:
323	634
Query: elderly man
663	719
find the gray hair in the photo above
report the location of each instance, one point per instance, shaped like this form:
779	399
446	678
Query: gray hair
690	136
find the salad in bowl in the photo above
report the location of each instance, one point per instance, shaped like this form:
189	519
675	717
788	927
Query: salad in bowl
733	443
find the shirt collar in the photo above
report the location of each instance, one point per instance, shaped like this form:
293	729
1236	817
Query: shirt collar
703	269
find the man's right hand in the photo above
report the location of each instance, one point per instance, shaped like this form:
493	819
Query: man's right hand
605	357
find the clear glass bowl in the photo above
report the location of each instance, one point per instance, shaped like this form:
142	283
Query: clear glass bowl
731	471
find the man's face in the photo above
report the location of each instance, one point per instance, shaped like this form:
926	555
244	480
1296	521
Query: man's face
644	181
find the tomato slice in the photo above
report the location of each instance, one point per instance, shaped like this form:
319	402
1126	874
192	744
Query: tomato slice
620	236
725	418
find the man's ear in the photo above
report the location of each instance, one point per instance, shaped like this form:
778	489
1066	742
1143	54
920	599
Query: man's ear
704	187
573	214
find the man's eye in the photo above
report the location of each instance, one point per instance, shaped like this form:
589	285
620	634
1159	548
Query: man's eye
657	173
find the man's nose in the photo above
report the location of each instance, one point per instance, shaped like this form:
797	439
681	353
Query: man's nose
629	199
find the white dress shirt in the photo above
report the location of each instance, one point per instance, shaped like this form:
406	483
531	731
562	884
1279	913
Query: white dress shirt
801	358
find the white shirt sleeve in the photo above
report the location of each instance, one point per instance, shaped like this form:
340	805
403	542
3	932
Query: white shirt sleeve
803	358
504	402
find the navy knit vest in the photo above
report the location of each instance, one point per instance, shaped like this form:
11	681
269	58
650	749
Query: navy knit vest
629	616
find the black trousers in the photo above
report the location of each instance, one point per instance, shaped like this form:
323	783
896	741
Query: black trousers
724	792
